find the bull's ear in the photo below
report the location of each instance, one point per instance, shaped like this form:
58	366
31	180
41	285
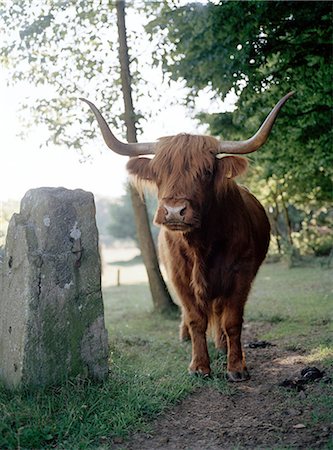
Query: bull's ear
229	167
232	166
140	167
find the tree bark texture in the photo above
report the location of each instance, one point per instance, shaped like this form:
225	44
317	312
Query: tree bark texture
161	298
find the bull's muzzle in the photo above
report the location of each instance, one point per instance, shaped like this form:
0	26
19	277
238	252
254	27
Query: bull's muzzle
175	215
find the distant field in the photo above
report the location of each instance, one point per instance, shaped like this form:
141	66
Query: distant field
113	259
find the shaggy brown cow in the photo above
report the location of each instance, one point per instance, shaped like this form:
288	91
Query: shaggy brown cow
214	234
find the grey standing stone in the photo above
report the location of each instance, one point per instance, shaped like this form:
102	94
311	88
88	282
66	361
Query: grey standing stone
51	306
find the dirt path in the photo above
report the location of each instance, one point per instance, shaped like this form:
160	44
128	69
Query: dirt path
258	414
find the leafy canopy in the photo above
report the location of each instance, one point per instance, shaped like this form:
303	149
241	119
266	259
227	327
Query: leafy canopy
68	50
121	218
261	50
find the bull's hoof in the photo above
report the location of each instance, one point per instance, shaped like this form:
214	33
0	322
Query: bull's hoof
202	372
236	377
199	374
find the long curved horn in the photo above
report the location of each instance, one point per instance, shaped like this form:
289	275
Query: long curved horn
256	141
134	149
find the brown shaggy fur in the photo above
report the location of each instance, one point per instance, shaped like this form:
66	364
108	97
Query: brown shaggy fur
214	245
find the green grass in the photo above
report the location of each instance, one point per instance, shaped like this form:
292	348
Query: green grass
316	408
148	373
148	365
297	307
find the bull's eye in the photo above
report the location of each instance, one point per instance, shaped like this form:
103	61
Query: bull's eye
207	175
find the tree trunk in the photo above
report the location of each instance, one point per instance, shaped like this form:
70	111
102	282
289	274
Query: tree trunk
287	220
161	298
275	215
293	253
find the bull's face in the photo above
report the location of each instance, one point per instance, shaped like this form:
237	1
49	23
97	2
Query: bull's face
188	177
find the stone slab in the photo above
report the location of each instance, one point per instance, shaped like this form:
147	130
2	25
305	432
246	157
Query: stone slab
51	306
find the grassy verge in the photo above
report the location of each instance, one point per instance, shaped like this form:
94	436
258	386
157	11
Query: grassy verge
148	364
297	306
147	374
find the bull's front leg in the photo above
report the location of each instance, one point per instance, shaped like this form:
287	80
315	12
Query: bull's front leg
193	325
197	325
232	323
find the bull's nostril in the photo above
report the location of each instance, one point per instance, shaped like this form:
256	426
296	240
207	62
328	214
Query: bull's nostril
174	213
166	212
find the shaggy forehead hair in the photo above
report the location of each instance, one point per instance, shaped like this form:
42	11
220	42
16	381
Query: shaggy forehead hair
184	157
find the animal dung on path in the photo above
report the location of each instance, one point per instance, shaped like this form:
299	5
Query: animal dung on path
259	344
308	374
311	373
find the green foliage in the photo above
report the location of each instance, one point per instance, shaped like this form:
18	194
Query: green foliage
122	221
262	50
299	310
103	219
304	223
48	50
68	50
315	235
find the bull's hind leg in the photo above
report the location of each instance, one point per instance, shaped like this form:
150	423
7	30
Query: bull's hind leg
220	338
184	333
232	320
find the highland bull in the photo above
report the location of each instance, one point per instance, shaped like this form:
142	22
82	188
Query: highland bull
214	233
